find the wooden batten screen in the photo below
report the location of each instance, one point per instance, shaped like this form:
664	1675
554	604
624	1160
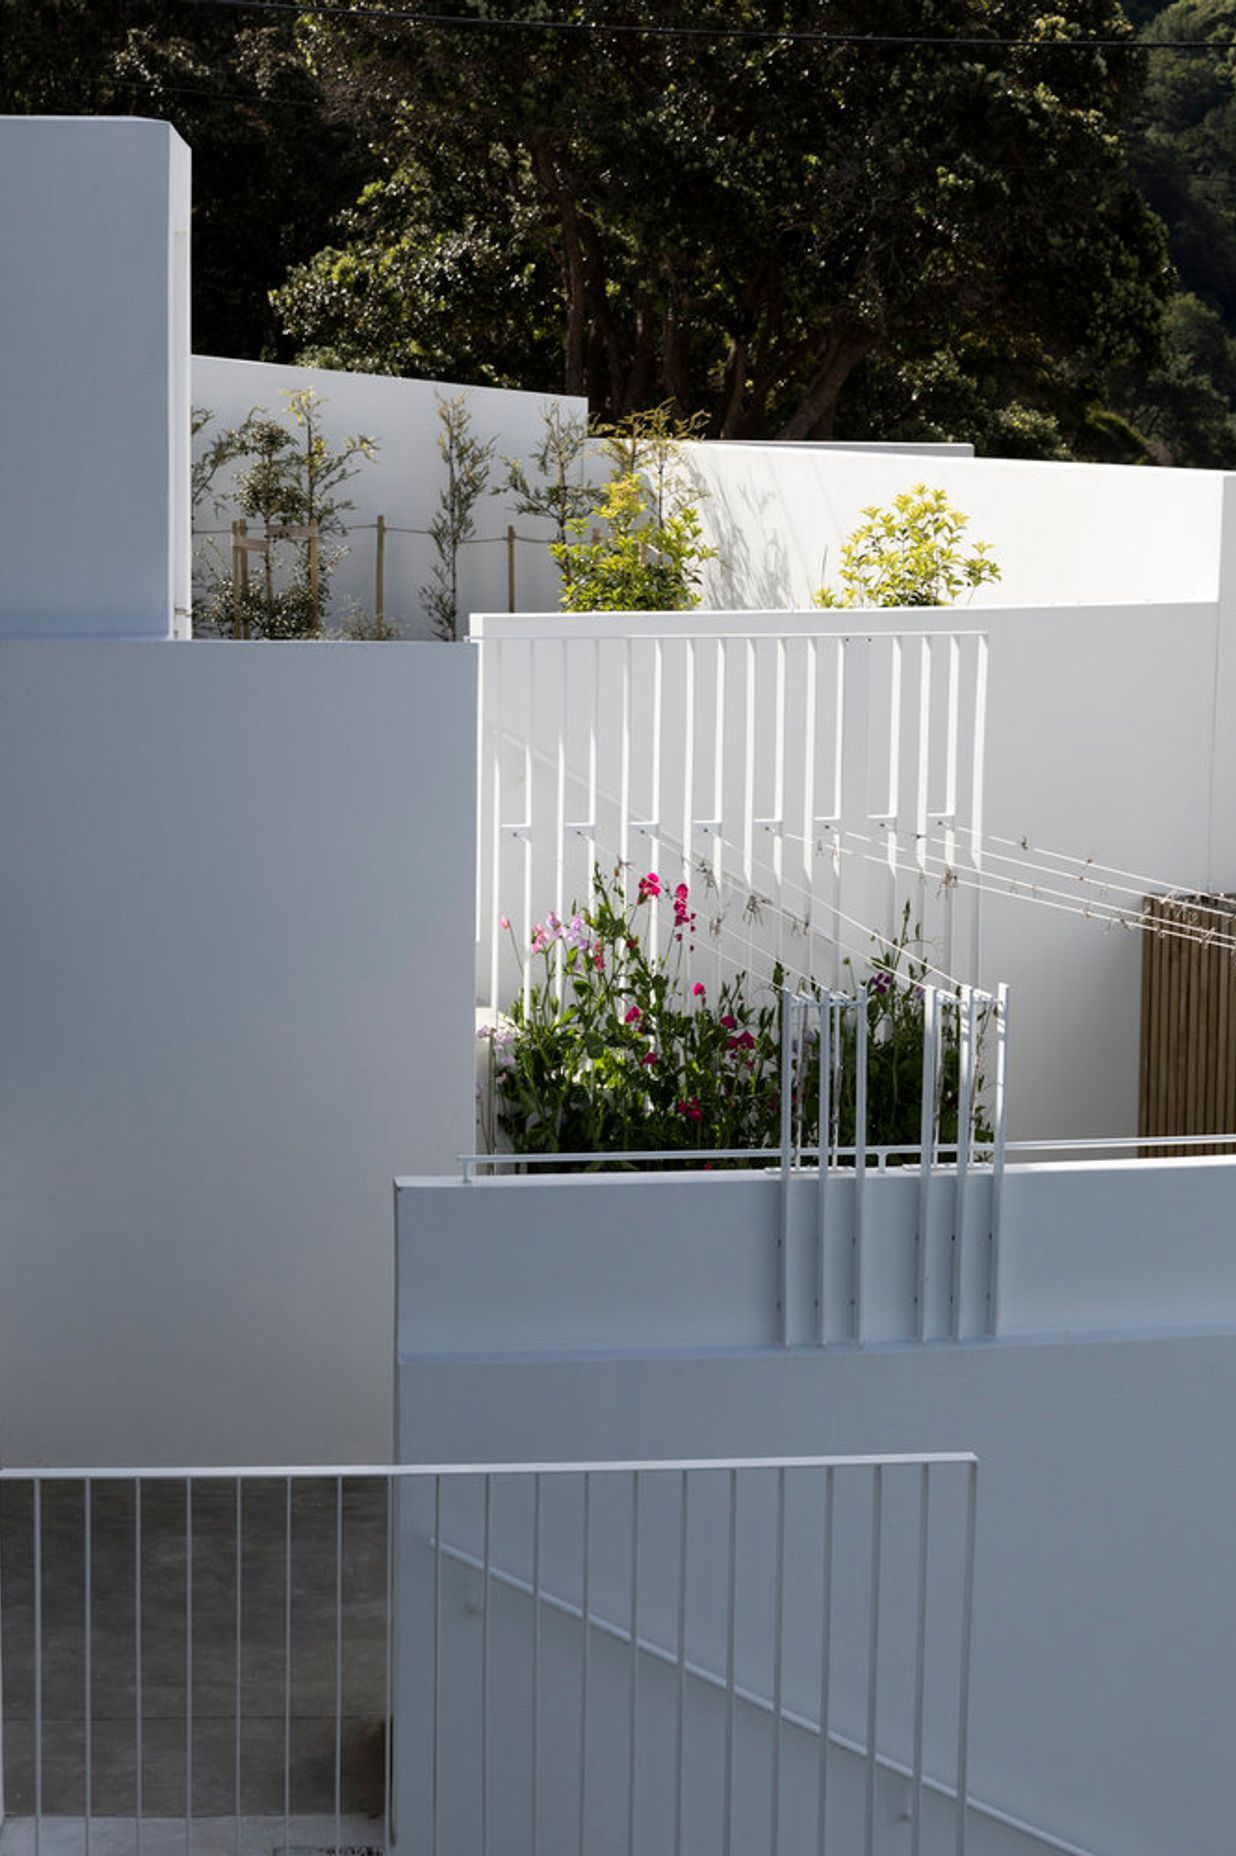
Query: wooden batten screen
1188	1070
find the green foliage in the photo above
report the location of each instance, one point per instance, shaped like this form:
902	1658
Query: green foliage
289	476
910	554
614	1051
467	462
562	495
639	547
636	563
727	224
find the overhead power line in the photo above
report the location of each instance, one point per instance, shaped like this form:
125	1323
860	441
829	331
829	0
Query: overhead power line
767	35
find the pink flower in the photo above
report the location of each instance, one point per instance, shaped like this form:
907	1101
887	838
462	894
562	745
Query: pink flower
691	1109
598	963
681	893
633	1016
729	1022
504	921
649	885
698	989
649	1058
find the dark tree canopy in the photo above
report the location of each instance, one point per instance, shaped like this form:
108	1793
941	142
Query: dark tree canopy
735	225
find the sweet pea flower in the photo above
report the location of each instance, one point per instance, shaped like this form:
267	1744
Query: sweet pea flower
698	989
729	1022
690	1109
649	885
633	1016
649	1058
504	921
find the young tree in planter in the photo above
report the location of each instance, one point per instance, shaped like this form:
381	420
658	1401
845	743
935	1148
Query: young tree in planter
467	460
909	554
289	480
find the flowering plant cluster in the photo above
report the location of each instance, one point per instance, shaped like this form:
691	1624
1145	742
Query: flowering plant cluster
613	1051
610	1050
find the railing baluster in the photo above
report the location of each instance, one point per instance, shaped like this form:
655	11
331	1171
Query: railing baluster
137	1663
967	1632
88	1651
927	1141
680	1691
188	1666
965	1133
585	1605
287	1659
826	1661
999	1131
920	1659
338	1665
486	1551
237	1717
536	1665
873	1660
388	1669
727	1805
37	1552
437	1662
860	1160
633	1698
825	1114
774	1828
789	1018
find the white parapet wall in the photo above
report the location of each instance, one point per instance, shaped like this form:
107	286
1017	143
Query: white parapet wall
1062	534
602	1318
238	947
94	348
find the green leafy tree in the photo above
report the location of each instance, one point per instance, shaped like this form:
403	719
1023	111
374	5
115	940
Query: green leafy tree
289	477
562	495
733	225
467	461
633	562
910	553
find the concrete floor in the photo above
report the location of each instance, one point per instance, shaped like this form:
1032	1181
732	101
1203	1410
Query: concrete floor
165	1749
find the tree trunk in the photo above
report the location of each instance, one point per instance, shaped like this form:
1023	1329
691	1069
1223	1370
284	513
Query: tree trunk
574	281
813	416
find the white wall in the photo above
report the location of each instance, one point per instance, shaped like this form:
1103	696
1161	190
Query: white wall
94	337
402	482
1067	534
237	949
1105	1632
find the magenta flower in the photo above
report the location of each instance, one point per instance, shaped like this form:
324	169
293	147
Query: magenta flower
649	1058
633	1016
690	1109
649	885
729	1022
698	989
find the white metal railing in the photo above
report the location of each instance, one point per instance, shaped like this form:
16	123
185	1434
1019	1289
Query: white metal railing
687	1656
833	773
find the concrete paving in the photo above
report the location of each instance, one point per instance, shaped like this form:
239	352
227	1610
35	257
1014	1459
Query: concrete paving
275	1699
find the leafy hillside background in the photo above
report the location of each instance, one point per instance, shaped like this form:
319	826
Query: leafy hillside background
1032	248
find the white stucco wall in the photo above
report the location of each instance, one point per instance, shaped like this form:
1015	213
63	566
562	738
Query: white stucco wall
237	955
595	1319
94	340
402	482
1069	534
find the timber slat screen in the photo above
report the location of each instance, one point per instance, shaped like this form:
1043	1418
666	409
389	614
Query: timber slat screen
1188	1044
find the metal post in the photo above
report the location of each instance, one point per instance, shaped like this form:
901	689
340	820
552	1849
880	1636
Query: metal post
510	567
965	1130
860	1156
825	1054
379	571
1000	1129
927	1145
789	1017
